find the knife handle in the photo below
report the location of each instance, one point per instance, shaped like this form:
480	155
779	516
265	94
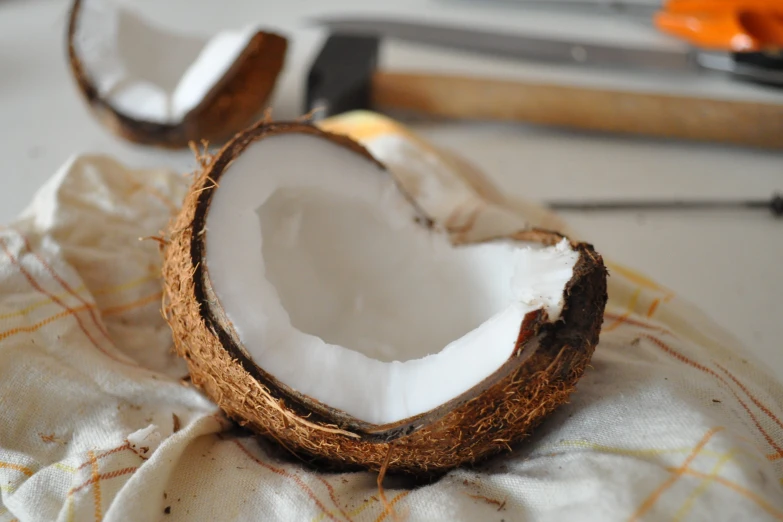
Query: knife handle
646	114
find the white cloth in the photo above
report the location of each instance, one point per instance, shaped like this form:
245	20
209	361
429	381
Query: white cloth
673	421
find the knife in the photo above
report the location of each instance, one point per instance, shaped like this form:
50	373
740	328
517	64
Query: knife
761	67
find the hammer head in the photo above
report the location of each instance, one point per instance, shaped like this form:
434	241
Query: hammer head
340	78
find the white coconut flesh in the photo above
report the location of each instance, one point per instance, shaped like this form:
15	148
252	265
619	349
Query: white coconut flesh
148	73
335	290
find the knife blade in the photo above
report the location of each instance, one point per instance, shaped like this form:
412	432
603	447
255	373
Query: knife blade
641	9
682	59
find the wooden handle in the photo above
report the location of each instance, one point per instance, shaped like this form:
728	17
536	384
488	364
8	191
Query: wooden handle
659	115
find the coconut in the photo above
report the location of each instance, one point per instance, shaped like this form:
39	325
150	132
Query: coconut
151	86
316	304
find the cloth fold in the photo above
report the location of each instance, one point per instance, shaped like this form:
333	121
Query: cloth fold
673	421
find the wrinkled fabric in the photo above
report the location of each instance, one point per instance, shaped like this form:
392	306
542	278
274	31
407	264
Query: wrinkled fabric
672	421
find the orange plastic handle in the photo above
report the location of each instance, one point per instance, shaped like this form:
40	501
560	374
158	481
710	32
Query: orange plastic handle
725	25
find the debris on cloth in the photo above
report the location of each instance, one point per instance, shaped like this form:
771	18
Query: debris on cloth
145	441
673	421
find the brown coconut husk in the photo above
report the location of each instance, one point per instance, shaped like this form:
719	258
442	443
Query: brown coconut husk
549	358
230	106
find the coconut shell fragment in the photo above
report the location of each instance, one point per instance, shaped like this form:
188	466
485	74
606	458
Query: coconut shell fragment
548	358
232	103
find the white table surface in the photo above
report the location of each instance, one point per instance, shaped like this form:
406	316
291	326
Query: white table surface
729	263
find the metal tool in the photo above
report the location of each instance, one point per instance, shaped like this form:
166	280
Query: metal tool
727	25
774	205
643	9
751	65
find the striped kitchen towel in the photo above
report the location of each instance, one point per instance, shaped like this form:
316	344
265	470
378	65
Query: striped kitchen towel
673	420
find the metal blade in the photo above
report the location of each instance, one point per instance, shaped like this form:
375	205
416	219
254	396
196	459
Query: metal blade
774	205
756	67
633	8
520	46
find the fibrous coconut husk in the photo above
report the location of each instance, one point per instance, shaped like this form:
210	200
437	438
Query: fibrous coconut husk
548	360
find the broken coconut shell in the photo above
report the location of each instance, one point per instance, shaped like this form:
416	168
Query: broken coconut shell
232	103
548	357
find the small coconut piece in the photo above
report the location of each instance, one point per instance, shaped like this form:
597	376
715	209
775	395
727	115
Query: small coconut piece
316	303
151	86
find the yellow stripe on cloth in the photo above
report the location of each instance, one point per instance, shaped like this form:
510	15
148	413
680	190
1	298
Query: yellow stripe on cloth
703	486
630	452
676	474
107	290
748	494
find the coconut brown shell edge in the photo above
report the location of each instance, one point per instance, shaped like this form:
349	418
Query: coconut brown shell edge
232	104
549	358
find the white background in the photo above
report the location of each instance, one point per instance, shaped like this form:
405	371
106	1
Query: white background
729	263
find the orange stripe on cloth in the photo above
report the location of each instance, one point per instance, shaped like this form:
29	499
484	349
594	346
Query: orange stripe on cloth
758	403
703	486
653	307
333	496
17	467
637	278
96	490
762	503
299	482
115	310
67	287
629	307
102	476
160	196
668	349
40	324
626	319
618	321
173	208
112	289
31	280
393	501
105	454
676	474
745	390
